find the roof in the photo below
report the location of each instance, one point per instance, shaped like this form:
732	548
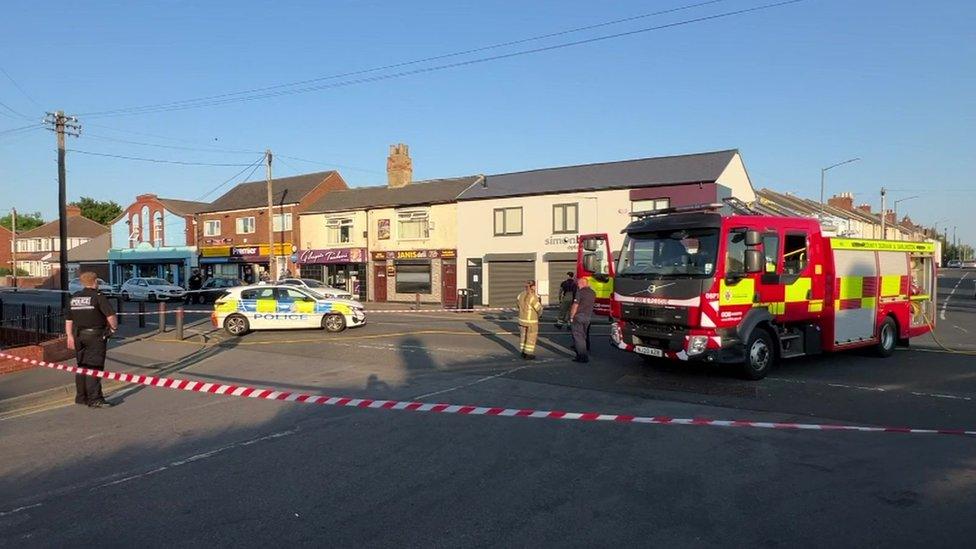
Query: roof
95	249
643	172
287	190
186	207
433	191
78	226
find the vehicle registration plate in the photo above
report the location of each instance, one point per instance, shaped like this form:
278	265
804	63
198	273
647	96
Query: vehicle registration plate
650	351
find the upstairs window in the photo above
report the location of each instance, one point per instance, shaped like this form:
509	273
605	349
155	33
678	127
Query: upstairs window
413	225
281	222
650	205
508	221
245	225
211	227
565	218
338	230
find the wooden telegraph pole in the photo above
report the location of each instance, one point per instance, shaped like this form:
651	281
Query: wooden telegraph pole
272	259
62	124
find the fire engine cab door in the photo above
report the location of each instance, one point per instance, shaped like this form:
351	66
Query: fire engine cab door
594	261
801	276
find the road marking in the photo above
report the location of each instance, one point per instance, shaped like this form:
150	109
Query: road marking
868	388
480	380
19	509
960	328
942	313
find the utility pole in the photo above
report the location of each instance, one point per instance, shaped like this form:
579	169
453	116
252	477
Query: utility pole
13	247
62	125
272	259
955	244
884	215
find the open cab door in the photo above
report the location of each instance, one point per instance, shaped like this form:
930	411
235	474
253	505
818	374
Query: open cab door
594	261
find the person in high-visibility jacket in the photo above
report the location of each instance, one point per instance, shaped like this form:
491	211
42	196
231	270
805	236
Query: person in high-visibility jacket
530	307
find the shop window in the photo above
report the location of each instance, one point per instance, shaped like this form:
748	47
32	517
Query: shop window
281	222
650	205
795	253
211	227
508	221
565	218
338	230
413	277
413	225
245	225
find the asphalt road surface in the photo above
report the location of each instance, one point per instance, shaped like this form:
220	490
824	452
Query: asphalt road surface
169	467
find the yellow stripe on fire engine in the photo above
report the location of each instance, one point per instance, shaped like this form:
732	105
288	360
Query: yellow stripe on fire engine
881	245
775	307
815	306
868	302
799	290
740	293
851	287
890	285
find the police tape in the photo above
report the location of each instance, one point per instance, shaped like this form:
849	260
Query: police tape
368	311
464	409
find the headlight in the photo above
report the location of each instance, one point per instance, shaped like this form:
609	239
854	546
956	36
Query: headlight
615	333
697	345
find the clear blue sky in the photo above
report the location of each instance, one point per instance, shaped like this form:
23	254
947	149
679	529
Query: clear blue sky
794	88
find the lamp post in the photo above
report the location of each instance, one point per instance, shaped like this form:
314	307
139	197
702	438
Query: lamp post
896	207
823	173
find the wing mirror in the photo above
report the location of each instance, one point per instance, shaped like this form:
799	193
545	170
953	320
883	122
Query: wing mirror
592	244
753	238
754	261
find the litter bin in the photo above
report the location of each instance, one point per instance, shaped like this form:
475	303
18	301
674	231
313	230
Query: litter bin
464	300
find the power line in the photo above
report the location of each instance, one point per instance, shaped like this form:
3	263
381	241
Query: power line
174	147
330	164
203	102
22	90
16	112
15	130
155	160
254	164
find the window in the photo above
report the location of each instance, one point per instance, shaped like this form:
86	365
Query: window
245	225
795	253
281	222
292	294
508	221
650	204
158	229
211	227
258	293
413	277
413	225
735	252
338	230
565	218
669	253
770	252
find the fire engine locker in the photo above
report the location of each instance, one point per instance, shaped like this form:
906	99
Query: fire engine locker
856	293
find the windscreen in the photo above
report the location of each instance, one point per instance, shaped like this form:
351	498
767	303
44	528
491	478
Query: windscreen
669	253
156	282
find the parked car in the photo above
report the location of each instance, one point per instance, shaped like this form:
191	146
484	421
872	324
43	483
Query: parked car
150	289
74	285
969	264
954	264
318	287
214	288
279	307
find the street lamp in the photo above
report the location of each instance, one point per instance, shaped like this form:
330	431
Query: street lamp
896	206
823	172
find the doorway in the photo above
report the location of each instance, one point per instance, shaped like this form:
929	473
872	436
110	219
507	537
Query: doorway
379	282
449	282
474	280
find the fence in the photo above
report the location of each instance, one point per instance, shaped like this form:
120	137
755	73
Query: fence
27	324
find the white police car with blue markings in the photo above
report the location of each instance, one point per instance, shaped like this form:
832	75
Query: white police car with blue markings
281	307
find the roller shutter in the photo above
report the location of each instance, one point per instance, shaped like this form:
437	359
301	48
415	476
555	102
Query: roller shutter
557	273
506	279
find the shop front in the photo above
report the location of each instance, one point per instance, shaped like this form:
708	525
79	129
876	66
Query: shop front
343	268
173	264
409	275
247	263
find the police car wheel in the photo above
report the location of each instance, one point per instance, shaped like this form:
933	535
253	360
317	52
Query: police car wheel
334	323
887	338
760	355
236	325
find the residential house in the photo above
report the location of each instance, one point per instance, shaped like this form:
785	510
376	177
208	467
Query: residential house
38	250
232	232
91	256
395	242
525	225
154	237
6	248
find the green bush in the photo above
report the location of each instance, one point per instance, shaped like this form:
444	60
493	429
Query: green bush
7	271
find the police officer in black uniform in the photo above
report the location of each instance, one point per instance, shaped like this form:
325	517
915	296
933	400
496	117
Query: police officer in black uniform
89	321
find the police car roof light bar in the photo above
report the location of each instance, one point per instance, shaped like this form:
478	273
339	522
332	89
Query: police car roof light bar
678	209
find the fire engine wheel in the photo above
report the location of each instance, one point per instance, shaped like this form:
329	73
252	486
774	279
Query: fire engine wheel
887	338
760	355
236	325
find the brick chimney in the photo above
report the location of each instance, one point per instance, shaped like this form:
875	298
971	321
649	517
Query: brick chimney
72	210
866	208
399	167
844	201
890	217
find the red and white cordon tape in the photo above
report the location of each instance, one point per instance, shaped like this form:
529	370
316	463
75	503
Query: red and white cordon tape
466	410
368	311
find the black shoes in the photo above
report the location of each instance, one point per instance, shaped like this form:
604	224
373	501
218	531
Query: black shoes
100	404
581	359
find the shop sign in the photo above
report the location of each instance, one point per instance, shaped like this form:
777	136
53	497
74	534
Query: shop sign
238	251
334	255
215	251
568	242
383	229
414	254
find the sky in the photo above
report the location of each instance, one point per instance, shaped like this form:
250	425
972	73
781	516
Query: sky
795	88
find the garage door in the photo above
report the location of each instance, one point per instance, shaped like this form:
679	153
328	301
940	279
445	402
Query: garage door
557	273
506	279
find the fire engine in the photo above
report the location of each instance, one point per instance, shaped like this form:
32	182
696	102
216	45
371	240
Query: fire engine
691	284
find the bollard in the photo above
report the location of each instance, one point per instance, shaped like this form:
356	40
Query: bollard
162	317
142	315
179	323
118	309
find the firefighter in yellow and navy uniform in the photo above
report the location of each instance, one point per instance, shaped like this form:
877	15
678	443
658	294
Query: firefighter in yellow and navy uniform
530	307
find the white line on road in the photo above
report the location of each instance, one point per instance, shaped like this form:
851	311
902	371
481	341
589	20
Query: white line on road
960	328
19	509
481	380
942	313
868	388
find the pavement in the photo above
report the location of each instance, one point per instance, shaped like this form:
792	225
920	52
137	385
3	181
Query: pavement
199	469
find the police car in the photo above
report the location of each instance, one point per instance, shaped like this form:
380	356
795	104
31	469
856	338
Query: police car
280	307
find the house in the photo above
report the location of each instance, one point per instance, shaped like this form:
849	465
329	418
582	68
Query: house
38	249
395	242
525	225
232	231
91	256
154	237
6	248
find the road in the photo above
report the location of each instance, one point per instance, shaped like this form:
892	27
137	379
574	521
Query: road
168	467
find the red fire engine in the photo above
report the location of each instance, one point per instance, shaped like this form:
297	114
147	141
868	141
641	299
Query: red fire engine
691	284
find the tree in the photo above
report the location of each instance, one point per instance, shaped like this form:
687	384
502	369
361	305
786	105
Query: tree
98	210
25	221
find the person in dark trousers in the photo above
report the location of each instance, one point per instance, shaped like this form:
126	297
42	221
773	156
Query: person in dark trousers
89	321
581	314
567	293
194	283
